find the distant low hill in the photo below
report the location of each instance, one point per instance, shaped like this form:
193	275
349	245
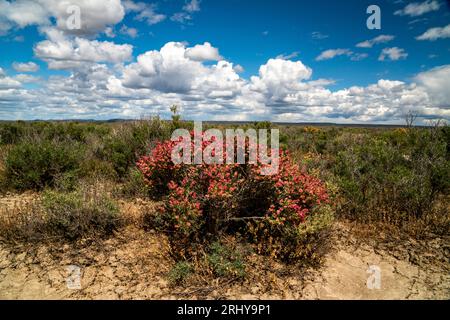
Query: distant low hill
300	124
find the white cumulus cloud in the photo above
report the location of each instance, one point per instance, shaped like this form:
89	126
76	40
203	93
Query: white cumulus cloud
393	54
171	69
96	15
145	11
22	14
331	53
25	66
8	82
131	32
435	33
188	9
419	8
105	81
61	52
203	52
380	39
192	6
436	81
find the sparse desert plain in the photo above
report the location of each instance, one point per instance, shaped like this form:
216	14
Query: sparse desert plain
199	154
101	206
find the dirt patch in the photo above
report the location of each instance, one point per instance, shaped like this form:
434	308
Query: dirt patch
133	264
346	272
407	268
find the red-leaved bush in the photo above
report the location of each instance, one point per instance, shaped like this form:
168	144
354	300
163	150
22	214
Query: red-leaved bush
204	199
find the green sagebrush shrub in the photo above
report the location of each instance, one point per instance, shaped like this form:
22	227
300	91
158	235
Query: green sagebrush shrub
124	146
225	260
394	176
180	272
11	133
35	163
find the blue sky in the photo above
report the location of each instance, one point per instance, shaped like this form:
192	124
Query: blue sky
314	68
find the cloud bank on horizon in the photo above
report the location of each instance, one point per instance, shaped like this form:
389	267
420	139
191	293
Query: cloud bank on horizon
130	59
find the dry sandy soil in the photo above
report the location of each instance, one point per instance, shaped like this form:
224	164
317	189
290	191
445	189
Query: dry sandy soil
133	264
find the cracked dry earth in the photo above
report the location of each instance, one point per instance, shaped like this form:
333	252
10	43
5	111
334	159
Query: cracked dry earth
133	264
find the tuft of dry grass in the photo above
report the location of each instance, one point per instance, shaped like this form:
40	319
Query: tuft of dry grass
21	218
54	215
